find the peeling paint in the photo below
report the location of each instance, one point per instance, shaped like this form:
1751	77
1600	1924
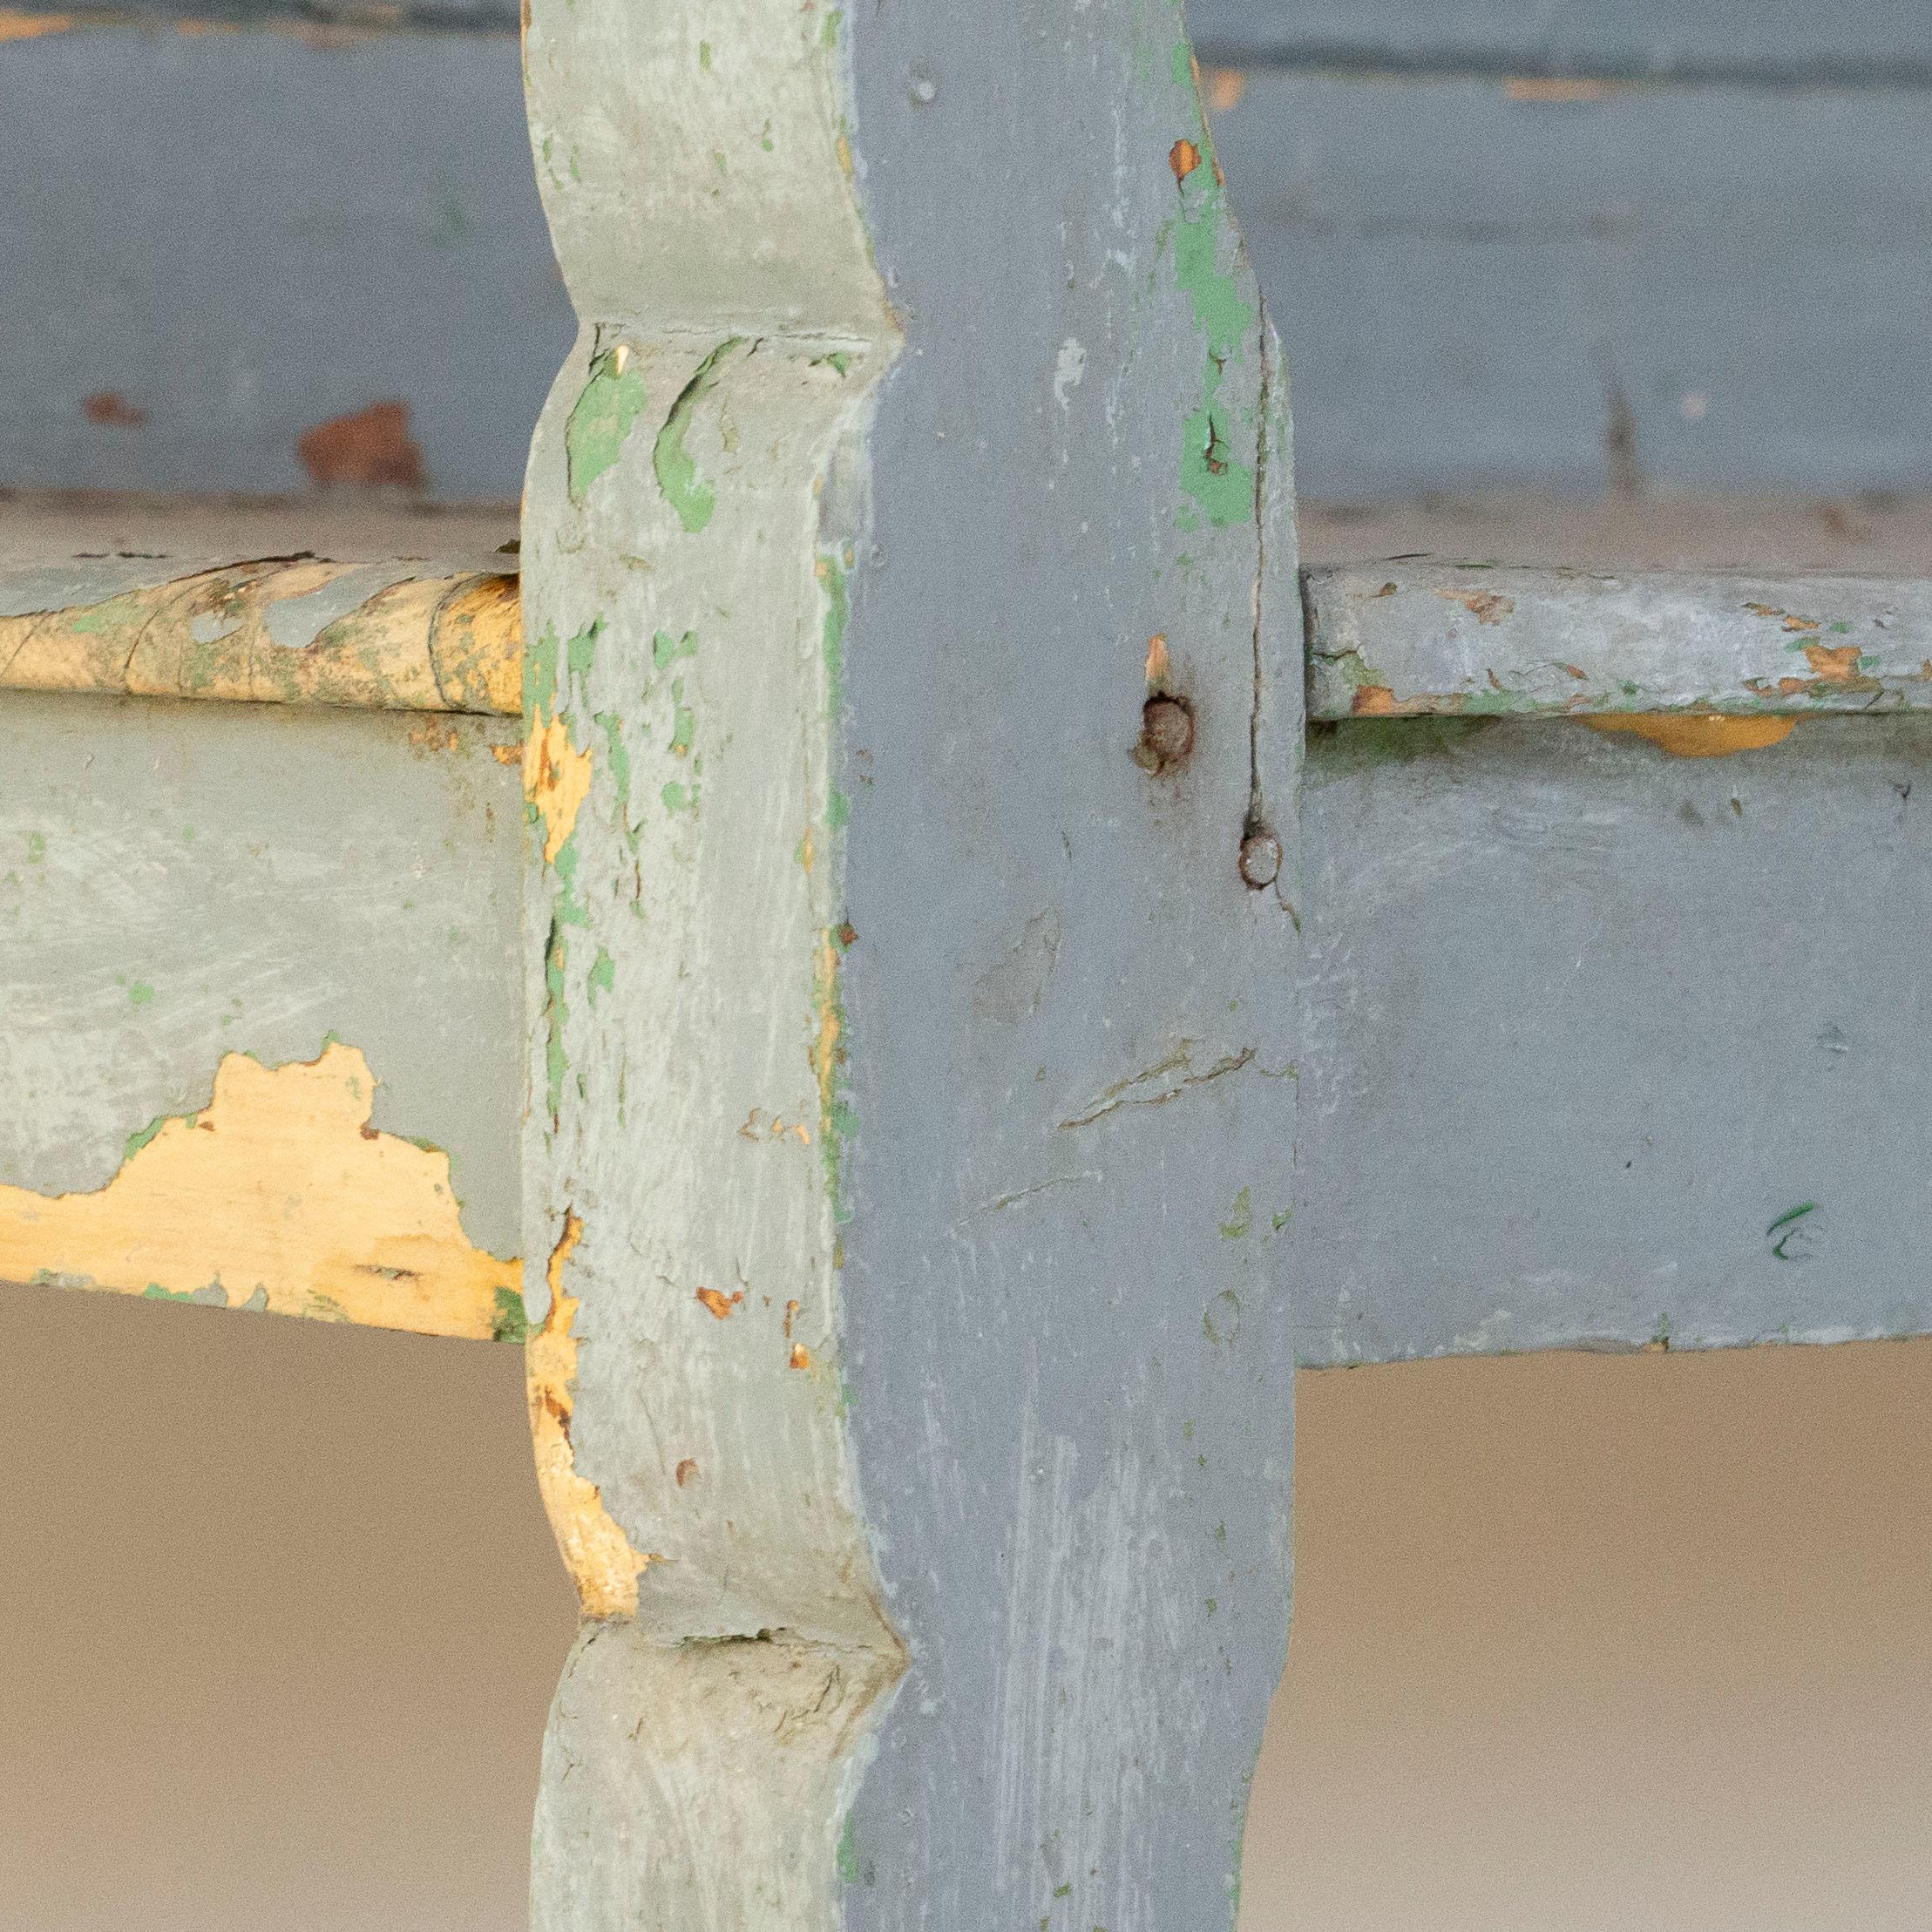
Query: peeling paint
677	472
280	1195
275	631
1700	733
556	780
596	1552
602	417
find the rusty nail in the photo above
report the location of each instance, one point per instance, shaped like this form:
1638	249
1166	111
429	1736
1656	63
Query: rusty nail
1260	860
1166	734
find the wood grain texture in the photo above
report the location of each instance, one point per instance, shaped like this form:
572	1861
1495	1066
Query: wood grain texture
910	1089
1413	639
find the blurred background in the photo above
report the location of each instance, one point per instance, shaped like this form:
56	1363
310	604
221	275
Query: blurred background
1587	1642
1581	1641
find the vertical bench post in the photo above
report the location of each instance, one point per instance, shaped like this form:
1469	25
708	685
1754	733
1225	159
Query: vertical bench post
914	700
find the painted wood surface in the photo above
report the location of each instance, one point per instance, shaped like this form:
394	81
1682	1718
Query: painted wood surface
914	653
1712	286
1426	637
261	1010
1704	288
1667	1005
348	287
1885	42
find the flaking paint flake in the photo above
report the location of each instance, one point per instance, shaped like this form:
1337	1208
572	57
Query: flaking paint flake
279	1195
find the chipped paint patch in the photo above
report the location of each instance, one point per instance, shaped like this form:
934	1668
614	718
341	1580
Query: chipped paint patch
688	495
1486	606
596	1552
276	632
1700	733
602	417
556	780
279	1195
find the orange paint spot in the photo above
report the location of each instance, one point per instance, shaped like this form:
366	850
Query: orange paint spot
685	1470
1698	733
366	450
1156	659
1184	158
31	26
791	1315
507	754
1833	664
1536	88
801	1356
1486	606
1225	87
110	409
1372	701
720	1304
1797	623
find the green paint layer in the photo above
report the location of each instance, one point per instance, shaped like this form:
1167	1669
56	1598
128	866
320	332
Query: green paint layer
601	418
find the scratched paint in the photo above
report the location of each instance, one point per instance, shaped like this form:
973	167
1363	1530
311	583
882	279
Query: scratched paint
279	1195
595	1550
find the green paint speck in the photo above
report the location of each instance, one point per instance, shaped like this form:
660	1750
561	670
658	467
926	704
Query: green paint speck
704	55
140	995
1241	1217
848	1852
36	847
664	649
602	975
510	1323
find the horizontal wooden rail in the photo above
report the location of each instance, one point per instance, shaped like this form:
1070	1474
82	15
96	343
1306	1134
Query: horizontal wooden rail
1424	639
276	630
1404	639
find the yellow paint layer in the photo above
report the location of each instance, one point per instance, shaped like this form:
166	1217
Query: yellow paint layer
279	1196
30	26
1700	733
596	1552
418	644
556	780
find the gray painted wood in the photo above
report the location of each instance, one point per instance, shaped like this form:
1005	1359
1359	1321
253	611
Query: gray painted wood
1885	42
1586	1027
876	981
1704	288
1432	637
241	235
182	881
1477	290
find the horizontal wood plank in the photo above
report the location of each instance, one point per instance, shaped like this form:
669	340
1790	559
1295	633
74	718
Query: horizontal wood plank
1429	637
1888	42
262	1013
